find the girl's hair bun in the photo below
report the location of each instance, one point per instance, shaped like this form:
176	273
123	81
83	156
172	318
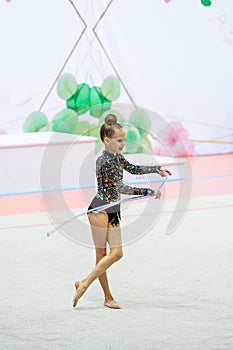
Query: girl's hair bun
110	119
109	126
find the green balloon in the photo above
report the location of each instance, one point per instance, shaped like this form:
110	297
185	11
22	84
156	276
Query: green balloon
106	104
95	102
82	99
35	121
96	111
133	139
71	102
141	120
69	116
120	118
43	129
98	103
61	126
79	102
47	127
94	131
83	128
111	88
95	96
206	2
66	86
145	147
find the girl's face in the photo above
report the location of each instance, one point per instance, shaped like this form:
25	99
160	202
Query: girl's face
116	143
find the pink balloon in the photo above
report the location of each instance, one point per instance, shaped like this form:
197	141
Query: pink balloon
167	1
177	140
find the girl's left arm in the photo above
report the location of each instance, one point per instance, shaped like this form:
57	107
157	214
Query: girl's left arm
143	169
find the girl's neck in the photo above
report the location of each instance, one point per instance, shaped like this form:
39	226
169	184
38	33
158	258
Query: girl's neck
109	151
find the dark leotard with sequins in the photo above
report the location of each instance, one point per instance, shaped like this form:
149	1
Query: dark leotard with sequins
109	173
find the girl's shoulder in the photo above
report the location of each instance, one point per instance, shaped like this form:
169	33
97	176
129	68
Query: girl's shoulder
107	158
121	157
103	159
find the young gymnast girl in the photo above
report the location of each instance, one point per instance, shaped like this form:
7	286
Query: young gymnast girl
105	225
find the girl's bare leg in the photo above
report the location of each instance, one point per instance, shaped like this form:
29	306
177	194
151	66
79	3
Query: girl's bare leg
102	232
100	240
113	236
103	279
99	227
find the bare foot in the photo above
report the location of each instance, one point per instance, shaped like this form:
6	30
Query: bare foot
112	304
80	290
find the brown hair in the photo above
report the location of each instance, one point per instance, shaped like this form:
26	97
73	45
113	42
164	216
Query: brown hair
109	127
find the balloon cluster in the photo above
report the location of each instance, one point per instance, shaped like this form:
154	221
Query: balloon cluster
79	100
82	98
137	130
97	102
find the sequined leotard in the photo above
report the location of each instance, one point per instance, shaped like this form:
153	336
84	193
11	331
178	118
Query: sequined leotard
109	173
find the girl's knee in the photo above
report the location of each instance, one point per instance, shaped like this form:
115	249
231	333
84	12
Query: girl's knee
117	254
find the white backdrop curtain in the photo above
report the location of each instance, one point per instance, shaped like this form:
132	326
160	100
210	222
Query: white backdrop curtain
174	58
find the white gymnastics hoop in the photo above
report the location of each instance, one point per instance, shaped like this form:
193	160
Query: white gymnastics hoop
103	207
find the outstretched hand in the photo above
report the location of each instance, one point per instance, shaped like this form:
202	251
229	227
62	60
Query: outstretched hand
164	172
157	194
